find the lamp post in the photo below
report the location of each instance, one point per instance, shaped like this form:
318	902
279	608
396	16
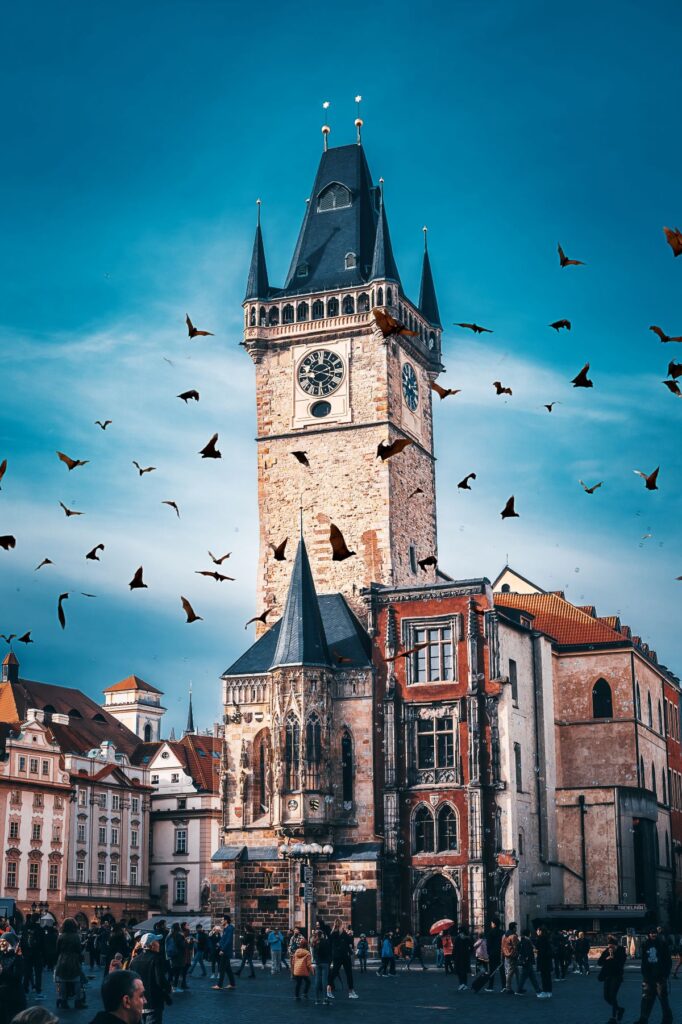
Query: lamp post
306	854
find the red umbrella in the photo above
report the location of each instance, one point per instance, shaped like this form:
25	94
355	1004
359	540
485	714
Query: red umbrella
441	926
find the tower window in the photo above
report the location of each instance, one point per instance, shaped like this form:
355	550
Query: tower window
513	682
434	662
288	314
413	559
447	828
302	311
262	317
348	304
252	316
333	307
435	743
292	750
602	700
363	303
389	296
302	270
147	733
351	261
380	296
273	316
518	768
318	309
347	767
423	831
333	197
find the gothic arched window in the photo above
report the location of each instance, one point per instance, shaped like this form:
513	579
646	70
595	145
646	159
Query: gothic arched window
649	712
261	767
447	828
348	304
262	317
273	316
380	296
333	197
288	314
292	750
389	296
351	261
302	311
363	303
318	309
641	773
423	830
252	316
660	718
347	767
653	781
333	307
663	799
602	701
313	740
638	703
147	733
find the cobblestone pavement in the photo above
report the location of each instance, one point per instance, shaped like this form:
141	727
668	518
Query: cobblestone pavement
420	997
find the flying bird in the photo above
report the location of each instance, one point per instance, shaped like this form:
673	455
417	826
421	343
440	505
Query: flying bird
550	405
301	457
674	371
140	470
464	484
189	611
387	451
340	550
564	260
581	380
3	464
259	618
103	425
71	463
558	324
415	492
45	561
60	610
8	639
500	389
278	550
475	328
136	582
172	505
673	386
407	653
389	325
218	561
674	239
69	511
26	638
662	335
194	332
210	451
508	510
169	361
424	563
592	489
217	576
83	594
650	480
92	555
8	542
443	392
186	395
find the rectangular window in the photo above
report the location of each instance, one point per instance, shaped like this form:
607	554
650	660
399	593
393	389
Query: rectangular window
413	559
113	874
155	780
46	767
180	890
80	871
58	803
115	802
11	877
33	765
520	850
101	873
181	840
82	797
135	805
182	803
102	800
81	834
133	837
22	763
36	831
513	682
14	829
33	875
175	776
102	833
517	765
434	662
114	836
53	877
435	743
38	800
133	874
56	833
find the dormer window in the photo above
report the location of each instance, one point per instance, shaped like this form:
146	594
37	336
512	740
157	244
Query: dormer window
302	270
333	197
351	261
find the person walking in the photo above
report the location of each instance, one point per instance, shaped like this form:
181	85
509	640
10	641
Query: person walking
226	953
341	942
611	965
461	955
147	962
656	968
481	954
32	946
416	953
275	943
545	958
175	955
323	954
582	952
493	941
214	950
448	951
248	946
301	968
201	948
362	951
67	972
440	958
509	948
387	957
12	994
527	963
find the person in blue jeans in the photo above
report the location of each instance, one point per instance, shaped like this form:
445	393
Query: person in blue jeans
226	948
322	954
200	951
276	943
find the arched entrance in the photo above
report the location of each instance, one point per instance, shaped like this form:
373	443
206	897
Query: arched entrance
436	899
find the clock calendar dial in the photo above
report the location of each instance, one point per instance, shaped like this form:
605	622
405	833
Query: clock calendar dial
320	373
410	387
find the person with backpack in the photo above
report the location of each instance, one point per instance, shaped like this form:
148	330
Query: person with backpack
387	957
147	961
362	951
509	947
248	947
175	955
527	963
416	953
301	968
656	967
611	965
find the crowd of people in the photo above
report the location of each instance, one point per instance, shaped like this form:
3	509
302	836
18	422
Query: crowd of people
154	966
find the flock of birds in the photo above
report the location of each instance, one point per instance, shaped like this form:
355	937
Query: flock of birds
385	450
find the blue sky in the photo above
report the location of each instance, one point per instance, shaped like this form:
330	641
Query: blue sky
137	138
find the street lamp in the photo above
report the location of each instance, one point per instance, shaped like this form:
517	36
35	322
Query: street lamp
307	854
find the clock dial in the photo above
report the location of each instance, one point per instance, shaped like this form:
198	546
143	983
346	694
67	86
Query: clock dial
320	373
410	387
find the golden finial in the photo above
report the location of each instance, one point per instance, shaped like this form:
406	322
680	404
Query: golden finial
325	127
358	120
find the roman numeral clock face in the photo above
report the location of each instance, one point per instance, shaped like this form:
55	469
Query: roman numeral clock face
410	387
320	373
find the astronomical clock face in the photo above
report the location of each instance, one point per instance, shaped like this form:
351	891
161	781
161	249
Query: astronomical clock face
320	373
410	387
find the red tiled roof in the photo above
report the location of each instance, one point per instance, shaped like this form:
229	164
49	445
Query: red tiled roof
611	620
202	765
132	683
561	620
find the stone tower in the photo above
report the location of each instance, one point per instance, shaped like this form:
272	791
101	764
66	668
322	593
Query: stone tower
328	383
138	705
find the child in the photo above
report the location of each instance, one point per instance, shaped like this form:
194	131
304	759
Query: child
301	967
362	951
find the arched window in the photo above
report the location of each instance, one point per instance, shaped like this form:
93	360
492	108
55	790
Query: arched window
638	702
318	309
302	311
649	712
389	296
333	307
351	261
660	718
423	830
292	750
261	768
380	296
432	340
657	846
262	317
347	767
348	304
288	314
363	303
667	849
663	799
653	781
252	316
642	778
505	588
313	740
447	828
333	197
602	702
273	316
147	733
401	310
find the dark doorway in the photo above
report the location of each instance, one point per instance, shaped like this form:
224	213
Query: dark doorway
437	899
363	912
645	861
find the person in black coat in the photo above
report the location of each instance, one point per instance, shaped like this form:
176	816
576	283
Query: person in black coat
612	965
461	952
493	940
33	954
149	964
545	960
656	966
12	995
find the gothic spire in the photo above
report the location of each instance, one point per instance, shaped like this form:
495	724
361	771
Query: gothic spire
383	261
190	714
428	304
257	285
301	639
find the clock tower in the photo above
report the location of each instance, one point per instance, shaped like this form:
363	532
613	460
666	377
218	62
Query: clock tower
330	384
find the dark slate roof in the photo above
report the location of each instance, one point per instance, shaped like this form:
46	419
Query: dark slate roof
327	236
428	303
357	851
344	635
257	285
301	639
253	853
227	853
383	263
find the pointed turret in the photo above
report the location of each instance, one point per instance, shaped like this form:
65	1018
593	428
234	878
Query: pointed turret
257	285
189	728
301	639
383	262
428	304
10	668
